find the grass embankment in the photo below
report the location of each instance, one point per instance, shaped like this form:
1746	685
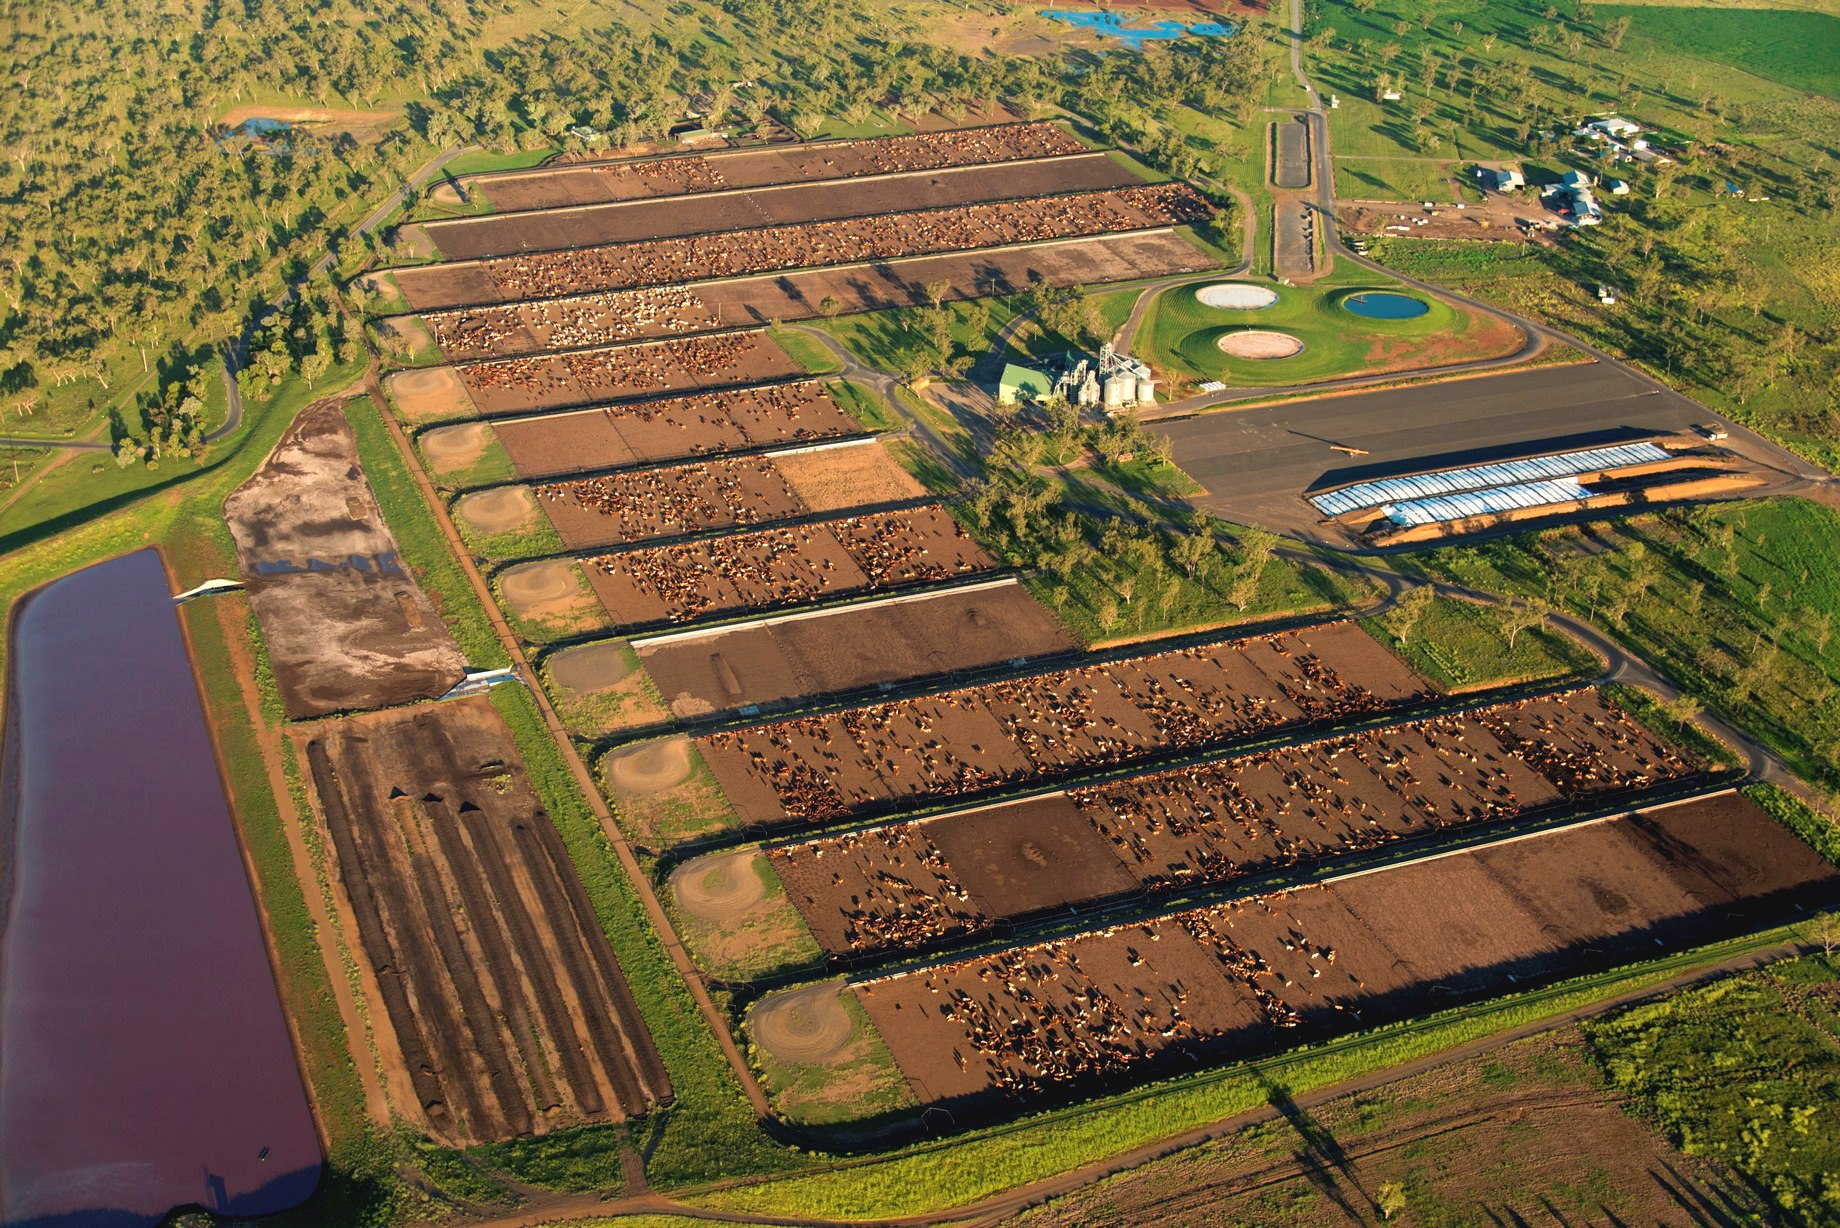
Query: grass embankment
858	1083
1183	335
766	940
632	701
1466	646
708	1132
491	467
1737	603
805	350
864	406
418	536
535	538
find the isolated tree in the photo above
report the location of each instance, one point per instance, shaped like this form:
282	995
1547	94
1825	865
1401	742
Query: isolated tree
1410	610
1524	615
936	291
1616	32
1391	1199
829	306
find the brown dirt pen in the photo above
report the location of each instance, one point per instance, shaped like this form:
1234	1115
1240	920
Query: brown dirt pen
625	372
1236	979
783	566
848	650
347	627
511	1012
624	315
739	253
641	505
673	428
630	221
592	183
911	884
1007	734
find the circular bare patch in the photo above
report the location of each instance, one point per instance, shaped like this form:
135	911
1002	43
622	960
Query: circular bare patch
591	667
1260	343
530	586
430	392
498	511
719	887
1236	296
453	447
650	767
803	1025
444	194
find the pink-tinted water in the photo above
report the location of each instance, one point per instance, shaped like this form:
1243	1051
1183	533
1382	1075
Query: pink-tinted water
145	1063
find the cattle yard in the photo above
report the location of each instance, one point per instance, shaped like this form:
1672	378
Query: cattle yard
910	885
1024	730
1235	979
1051	869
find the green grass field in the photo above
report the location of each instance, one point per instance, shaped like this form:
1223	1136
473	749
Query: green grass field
1463	646
1184	336
1737	603
1800	50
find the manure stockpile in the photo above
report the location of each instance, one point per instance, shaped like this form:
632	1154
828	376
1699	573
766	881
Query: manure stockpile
510	1012
1235	979
346	627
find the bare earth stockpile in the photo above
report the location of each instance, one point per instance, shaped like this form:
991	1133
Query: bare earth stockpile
1011	732
1230	980
510	1010
911	884
471	238
781	566
646	504
738	253
346	627
607	317
842	651
553	381
674	429
747	168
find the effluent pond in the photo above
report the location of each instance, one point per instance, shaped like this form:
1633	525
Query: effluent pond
145	1063
1385	305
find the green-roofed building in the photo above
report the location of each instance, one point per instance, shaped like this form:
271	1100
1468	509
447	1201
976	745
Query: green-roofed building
1019	384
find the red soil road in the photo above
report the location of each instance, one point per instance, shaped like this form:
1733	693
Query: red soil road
591	183
510	1009
739	253
625	372
1019	731
673	428
913	883
1232	980
624	315
783	566
628	221
848	650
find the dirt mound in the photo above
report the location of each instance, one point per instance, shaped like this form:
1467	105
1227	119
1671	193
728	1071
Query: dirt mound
454	447
720	887
434	392
498	511
1236	296
534	588
652	767
1259	343
592	667
803	1025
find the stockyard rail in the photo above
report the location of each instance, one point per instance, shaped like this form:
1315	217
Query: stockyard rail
809	245
656	217
685	174
742	303
1224	982
916	883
